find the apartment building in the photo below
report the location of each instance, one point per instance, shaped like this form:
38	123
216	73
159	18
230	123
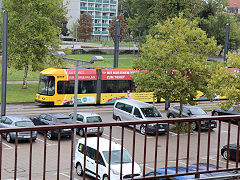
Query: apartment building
234	6
102	12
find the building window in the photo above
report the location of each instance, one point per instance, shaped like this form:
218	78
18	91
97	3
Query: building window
82	4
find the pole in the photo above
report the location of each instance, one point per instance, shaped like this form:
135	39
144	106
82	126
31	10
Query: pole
75	112
4	63
226	42
116	43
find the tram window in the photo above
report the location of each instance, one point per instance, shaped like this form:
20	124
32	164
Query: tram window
46	85
67	87
113	86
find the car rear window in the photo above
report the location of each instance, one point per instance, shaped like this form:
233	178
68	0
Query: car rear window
63	119
94	119
151	112
197	111
24	123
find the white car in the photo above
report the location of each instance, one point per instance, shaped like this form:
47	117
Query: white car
103	164
88	117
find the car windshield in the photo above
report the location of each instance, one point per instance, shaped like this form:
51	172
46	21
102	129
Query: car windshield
151	112
197	111
24	123
93	119
116	156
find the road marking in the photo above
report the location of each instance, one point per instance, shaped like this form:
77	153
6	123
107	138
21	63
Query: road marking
48	144
64	174
116	139
214	159
172	133
8	147
146	166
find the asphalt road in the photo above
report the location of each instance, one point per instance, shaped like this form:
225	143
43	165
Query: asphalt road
30	109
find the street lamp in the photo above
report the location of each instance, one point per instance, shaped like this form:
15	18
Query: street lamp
84	62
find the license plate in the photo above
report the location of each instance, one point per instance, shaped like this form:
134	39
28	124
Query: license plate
66	129
212	125
161	129
25	137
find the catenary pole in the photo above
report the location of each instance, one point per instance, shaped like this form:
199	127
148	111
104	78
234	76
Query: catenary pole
226	42
4	63
116	43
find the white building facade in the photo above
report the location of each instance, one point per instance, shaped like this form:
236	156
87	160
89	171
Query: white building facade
102	12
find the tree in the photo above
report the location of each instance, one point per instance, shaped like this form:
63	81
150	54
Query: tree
225	82
176	61
33	33
85	28
215	26
142	15
112	27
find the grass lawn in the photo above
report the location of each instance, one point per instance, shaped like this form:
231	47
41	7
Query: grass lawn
124	61
17	75
15	93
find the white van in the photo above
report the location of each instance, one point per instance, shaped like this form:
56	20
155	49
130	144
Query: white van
133	110
91	154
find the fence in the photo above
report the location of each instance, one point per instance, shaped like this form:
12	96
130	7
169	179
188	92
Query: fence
37	160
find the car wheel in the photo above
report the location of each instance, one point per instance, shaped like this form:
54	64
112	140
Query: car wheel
105	177
8	138
81	132
195	126
215	114
49	135
118	119
225	155
171	116
79	169
142	130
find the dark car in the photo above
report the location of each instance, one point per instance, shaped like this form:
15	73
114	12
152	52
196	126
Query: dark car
191	111
232	152
53	119
14	121
234	110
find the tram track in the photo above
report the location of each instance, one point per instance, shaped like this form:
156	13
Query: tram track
30	109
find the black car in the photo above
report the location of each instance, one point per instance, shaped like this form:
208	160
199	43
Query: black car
191	111
234	110
53	119
232	152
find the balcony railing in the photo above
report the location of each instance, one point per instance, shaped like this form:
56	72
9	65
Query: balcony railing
198	147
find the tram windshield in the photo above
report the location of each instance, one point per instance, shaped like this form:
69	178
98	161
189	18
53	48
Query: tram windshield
46	85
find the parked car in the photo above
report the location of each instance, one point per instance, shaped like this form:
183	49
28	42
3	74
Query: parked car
103	163
211	167
53	119
14	121
133	110
88	117
191	168
191	111
234	110
170	170
232	152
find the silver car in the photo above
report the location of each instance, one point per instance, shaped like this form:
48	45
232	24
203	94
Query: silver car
191	111
14	121
88	117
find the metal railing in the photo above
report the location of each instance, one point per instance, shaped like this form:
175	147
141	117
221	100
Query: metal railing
187	147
